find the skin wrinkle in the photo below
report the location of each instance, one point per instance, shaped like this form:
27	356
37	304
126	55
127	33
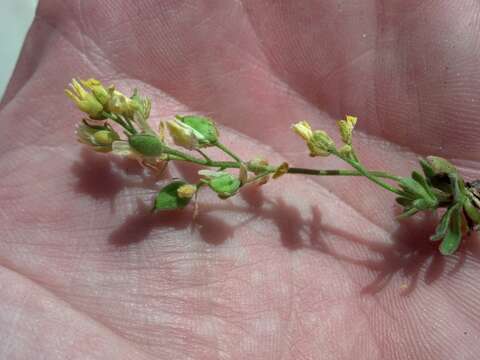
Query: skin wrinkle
276	79
338	199
408	306
70	306
16	318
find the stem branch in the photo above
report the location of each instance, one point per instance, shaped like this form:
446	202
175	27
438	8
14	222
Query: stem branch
357	166
227	151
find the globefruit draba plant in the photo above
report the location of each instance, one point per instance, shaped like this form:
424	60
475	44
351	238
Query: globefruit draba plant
438	187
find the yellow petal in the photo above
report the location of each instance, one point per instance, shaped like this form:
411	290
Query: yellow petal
303	129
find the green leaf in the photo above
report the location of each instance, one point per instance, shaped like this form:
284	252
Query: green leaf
224	185
407	213
453	237
168	199
146	144
458	188
413	188
442	227
472	211
422	204
441	166
405	202
427	168
203	125
422	181
441	196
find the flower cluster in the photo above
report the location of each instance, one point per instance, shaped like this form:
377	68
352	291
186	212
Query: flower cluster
440	186
109	111
107	107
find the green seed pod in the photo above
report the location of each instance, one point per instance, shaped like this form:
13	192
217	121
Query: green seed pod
204	126
223	183
146	144
168	198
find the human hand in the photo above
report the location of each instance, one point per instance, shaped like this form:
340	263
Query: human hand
300	268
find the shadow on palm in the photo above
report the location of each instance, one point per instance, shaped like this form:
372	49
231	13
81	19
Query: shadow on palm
409	254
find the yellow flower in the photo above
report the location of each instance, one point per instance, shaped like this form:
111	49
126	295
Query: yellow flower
303	129
184	135
121	104
346	128
318	141
186	191
99	91
85	101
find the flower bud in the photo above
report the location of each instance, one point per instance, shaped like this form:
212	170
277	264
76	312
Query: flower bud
186	191
105	137
281	170
98	90
85	101
346	128
121	104
184	135
320	144
168	198
141	104
303	129
257	165
203	128
100	138
345	151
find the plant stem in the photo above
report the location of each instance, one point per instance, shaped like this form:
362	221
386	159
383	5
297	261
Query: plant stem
341	172
359	170
205	156
357	166
126	125
227	151
179	155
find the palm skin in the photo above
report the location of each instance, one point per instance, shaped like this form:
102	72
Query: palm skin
303	268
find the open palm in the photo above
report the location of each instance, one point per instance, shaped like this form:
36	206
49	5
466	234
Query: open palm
302	268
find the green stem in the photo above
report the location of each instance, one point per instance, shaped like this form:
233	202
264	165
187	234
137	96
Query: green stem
341	172
144	124
205	156
127	120
359	170
227	151
357	166
179	155
259	176
128	127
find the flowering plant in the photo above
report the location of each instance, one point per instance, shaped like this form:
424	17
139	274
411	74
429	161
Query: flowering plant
438	186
